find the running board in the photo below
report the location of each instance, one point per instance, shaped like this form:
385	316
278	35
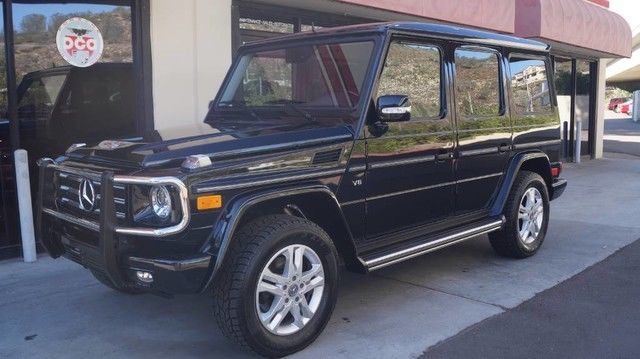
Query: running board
373	262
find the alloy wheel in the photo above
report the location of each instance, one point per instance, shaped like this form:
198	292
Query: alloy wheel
289	289
530	216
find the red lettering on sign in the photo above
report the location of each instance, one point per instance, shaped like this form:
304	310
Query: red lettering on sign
73	44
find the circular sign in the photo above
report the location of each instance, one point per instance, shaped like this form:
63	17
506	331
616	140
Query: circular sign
79	42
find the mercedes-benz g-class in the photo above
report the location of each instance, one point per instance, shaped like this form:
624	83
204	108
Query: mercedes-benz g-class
364	145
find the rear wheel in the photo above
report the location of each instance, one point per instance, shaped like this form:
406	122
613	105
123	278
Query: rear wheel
278	285
527	218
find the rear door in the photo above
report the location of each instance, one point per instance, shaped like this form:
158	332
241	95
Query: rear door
410	180
483	127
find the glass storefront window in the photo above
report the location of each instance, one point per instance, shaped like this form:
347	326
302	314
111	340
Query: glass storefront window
74	84
583	103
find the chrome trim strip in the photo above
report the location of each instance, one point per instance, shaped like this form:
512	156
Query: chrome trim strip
348	203
358	168
410	191
408	161
150	181
536	144
424	248
480	177
270	181
480	151
79	221
93	175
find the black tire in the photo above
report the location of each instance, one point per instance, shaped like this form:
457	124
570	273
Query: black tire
102	278
507	241
234	293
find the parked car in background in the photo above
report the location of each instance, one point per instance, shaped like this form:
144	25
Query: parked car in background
625	107
614	102
367	145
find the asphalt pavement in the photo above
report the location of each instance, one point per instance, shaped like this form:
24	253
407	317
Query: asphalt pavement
592	315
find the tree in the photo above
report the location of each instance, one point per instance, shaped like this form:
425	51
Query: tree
33	24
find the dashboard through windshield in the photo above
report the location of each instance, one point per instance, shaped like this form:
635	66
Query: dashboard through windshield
310	82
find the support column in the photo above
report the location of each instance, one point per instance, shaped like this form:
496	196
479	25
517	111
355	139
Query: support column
191	52
600	105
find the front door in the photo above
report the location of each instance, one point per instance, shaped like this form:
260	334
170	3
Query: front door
484	128
410	181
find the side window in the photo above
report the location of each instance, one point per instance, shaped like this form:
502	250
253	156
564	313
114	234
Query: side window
477	82
413	70
529	86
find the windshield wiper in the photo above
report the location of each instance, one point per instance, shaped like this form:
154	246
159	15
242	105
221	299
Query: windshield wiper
295	105
242	106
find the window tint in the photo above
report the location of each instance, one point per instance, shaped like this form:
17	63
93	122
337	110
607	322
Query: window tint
413	70
477	82
529	86
328	75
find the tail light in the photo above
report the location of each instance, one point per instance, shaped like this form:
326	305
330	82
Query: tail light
556	169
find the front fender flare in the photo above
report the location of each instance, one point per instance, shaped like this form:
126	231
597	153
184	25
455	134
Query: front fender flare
229	220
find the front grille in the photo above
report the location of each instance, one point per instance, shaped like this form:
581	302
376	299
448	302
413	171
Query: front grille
68	197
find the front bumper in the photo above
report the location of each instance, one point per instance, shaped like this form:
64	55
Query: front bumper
110	248
558	186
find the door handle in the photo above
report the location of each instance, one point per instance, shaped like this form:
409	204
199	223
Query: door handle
503	147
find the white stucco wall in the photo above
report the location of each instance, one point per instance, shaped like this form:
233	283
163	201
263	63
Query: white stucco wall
191	52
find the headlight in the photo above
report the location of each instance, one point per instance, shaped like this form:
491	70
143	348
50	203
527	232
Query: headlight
155	205
161	201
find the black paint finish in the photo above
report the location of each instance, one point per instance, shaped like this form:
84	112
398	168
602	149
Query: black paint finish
374	186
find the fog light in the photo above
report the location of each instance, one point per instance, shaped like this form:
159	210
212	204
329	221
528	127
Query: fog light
143	276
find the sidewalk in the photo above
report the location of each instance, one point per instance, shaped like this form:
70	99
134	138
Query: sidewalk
55	308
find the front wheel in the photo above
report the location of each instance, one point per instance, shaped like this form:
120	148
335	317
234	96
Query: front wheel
527	218
278	286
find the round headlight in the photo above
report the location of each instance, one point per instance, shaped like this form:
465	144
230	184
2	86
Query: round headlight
161	201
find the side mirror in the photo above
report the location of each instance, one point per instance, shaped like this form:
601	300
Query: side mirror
393	108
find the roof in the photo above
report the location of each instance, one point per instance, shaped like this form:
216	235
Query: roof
443	31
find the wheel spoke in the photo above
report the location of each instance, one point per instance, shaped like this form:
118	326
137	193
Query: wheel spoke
276	306
314	283
531	198
270	288
297	316
278	317
298	256
522	212
269	276
304	307
314	271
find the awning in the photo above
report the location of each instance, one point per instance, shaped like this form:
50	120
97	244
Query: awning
574	26
577	27
496	15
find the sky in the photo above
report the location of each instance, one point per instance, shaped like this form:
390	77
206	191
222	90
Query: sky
629	10
21	10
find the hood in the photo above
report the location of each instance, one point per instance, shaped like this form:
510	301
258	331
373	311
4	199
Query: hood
171	147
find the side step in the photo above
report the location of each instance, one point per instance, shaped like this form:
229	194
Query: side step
411	249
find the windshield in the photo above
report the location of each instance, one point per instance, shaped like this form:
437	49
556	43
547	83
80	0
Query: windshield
301	83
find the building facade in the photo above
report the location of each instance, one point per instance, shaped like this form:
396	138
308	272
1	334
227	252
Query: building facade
83	71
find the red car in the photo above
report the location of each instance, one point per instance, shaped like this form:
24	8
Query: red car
625	107
614	102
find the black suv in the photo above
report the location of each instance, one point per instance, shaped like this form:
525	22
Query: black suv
366	145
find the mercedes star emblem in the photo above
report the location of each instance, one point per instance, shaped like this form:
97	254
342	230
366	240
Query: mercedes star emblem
86	195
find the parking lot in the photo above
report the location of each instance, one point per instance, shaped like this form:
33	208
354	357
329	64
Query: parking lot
55	308
621	136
